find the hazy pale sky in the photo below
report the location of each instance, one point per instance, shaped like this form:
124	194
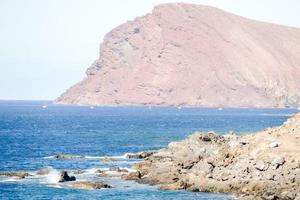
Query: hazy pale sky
46	45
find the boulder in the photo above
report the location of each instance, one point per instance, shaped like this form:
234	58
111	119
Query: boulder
132	176
274	144
278	161
65	177
261	166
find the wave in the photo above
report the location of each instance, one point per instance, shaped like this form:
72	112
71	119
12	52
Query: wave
93	170
93	157
48	157
10	180
54	186
274	114
122	157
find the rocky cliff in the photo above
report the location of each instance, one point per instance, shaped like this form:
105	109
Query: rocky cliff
265	165
191	55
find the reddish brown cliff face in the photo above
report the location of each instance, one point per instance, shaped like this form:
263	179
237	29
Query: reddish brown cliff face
190	55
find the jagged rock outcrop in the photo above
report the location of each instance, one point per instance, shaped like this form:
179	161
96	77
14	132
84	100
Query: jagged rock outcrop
64	177
191	55
242	165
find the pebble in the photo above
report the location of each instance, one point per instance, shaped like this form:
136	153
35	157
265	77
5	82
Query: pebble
274	144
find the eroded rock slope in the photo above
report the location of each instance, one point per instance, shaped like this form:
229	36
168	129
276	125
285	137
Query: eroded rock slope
265	165
191	55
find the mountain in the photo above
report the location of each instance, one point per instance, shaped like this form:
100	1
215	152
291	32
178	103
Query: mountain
192	55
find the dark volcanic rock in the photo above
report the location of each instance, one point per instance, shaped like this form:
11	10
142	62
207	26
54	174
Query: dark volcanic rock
65	177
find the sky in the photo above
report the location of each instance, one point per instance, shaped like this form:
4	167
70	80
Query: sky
47	45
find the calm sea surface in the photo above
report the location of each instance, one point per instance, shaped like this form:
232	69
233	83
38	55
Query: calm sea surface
30	133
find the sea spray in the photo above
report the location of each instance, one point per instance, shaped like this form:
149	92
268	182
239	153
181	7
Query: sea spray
53	176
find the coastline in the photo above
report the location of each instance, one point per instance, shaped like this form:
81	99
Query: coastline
265	165
94	169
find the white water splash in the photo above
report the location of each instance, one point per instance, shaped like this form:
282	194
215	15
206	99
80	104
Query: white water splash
53	176
93	157
101	157
93	170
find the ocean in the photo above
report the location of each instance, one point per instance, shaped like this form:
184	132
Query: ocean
31	131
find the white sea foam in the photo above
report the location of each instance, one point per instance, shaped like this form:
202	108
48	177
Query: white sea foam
10	180
53	176
93	170
55	186
122	157
130	170
275	114
48	157
90	171
93	157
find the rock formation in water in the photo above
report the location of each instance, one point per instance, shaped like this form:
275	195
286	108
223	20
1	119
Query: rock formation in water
191	55
265	165
64	176
90	185
15	174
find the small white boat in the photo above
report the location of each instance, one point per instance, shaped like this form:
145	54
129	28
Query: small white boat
92	107
220	108
179	107
44	106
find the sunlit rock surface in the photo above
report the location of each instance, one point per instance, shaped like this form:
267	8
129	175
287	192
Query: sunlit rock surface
191	55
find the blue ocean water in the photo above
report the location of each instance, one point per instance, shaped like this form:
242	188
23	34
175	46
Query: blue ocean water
30	133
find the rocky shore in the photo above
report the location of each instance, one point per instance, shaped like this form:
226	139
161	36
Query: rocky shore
265	165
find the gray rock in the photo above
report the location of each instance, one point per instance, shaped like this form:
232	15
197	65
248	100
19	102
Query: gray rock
261	166
278	161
